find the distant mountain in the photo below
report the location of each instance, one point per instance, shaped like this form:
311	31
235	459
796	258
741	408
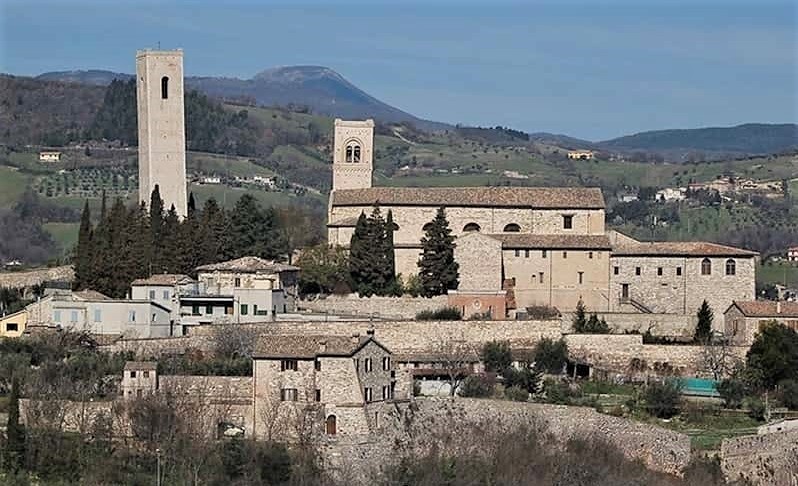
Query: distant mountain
749	139
561	140
321	89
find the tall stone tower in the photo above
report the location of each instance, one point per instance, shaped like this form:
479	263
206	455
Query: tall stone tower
162	127
353	154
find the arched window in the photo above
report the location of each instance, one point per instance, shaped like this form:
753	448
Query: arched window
353	151
731	267
471	227
330	425
512	228
706	267
164	87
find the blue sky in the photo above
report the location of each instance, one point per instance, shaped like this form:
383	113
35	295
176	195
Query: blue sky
591	69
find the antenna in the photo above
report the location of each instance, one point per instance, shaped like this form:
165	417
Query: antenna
159	45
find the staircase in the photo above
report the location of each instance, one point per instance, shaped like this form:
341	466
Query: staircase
637	305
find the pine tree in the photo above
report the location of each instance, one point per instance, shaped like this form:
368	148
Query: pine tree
389	257
117	265
191	239
171	251
83	251
192	205
214	237
15	434
438	271
359	258
246	227
580	319
703	330
139	241
156	229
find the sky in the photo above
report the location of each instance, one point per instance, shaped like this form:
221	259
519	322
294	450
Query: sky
590	69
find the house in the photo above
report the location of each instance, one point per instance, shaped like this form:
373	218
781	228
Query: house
13	325
323	380
672	194
96	313
580	155
49	156
792	254
164	289
211	180
743	319
139	378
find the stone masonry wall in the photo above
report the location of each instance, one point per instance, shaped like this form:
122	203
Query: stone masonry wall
381	307
763	460
671	325
18	280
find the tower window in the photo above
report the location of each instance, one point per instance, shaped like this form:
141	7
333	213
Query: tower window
352	152
567	221
165	87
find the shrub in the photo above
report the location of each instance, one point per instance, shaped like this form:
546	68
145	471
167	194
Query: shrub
442	314
789	393
516	394
595	325
527	379
774	354
478	386
550	355
497	356
663	400
558	392
542	312
756	409
732	390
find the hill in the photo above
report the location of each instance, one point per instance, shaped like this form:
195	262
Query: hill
318	88
747	139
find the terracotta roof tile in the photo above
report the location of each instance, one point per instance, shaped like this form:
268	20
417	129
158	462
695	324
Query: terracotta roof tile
680	248
307	347
248	264
162	279
141	365
767	308
557	242
89	295
522	197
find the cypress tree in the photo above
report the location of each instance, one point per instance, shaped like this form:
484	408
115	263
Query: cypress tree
246	225
192	205
83	251
703	330
171	252
438	271
15	434
139	241
156	228
214	238
358	257
116	275
580	317
389	256
191	240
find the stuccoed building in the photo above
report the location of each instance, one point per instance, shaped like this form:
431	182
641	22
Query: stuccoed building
311	384
549	244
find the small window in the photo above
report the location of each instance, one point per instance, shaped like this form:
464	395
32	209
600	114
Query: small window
237	282
638	270
544	253
731	267
244	309
165	295
678	271
386	393
512	228
357	364
132	374
154	317
288	365
288	394
152	295
132	316
73	316
517	253
567	221
146	374
367	365
659	271
330	426
564	255
386	363
590	255
318	395
581	277
616	270
356	157
12	327
317	365
541	277
195	310
57	316
367	394
208	309
98	315
706	267
164	87
526	253
138	393
471	227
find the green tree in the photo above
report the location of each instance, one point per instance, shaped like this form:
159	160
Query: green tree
83	251
370	267
438	270
496	356
703	330
580	318
322	268
550	355
663	399
254	230
157	221
214	237
15	434
594	325
173	247
773	356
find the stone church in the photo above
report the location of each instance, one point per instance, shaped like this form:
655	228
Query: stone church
525	246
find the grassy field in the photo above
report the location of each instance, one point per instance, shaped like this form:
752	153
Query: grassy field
65	234
783	273
224	165
12	185
227	197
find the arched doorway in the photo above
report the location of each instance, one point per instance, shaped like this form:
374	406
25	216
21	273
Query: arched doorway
330	425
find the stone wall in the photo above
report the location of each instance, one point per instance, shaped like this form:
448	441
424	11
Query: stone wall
380	307
670	325
769	459
616	352
18	280
421	424
216	388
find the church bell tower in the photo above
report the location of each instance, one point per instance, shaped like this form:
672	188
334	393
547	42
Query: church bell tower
353	154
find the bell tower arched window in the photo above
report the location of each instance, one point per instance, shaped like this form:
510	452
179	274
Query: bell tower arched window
164	87
353	152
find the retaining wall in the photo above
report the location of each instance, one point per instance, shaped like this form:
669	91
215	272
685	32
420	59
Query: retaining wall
382	307
768	459
670	325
